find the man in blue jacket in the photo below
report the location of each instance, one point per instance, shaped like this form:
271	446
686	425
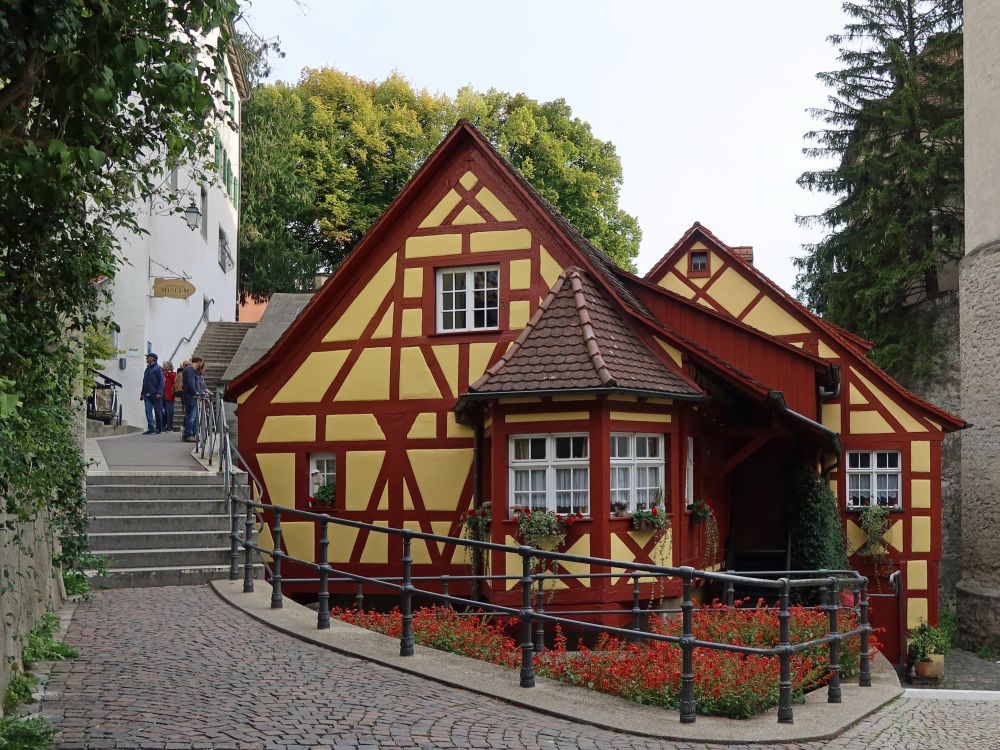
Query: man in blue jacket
194	387
152	394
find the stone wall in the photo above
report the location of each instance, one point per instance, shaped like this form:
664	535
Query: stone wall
944	390
29	585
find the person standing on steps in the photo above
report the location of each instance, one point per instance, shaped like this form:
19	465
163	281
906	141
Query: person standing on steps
169	376
194	387
152	394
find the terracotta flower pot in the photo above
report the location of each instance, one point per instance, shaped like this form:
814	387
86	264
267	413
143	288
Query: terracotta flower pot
932	666
643	525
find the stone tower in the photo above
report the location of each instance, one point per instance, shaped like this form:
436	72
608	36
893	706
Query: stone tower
978	594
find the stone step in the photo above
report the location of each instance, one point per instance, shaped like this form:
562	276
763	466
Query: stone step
153	523
119	508
144	478
166	557
154	538
166	575
155	492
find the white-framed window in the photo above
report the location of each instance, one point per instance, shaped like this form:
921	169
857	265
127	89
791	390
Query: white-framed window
226	262
637	470
874	478
468	299
689	473
323	477
550	472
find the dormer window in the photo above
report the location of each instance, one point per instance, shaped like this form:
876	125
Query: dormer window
468	299
698	263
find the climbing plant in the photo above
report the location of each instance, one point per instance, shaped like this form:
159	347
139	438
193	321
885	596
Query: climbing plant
817	532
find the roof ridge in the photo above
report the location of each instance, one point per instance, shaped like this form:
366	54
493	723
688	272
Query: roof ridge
587	328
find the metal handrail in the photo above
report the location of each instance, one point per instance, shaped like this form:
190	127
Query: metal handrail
189	338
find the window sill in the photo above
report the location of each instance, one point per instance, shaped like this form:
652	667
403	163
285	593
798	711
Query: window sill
858	511
692	274
470	332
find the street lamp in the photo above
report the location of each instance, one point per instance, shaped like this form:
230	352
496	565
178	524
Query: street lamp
192	215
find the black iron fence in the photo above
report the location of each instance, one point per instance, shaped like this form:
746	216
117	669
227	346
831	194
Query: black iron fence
246	513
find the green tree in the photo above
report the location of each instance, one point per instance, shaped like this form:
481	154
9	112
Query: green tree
325	158
894	125
97	101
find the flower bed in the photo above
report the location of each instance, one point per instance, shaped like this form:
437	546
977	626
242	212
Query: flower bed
733	685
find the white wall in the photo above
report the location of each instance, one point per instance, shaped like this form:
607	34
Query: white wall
172	250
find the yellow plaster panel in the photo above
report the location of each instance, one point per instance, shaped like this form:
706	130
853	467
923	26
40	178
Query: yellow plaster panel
441	475
902	416
672	283
342	539
548	267
407	498
245	395
869	423
855	537
431	246
512	562
621	552
661	401
699	281
384	328
732	291
413	282
563	416
353	427
520	313
916	575
826	352
705	303
265	540
299	539
492	204
916	612
468	215
415	378
424	426
441	210
920	455
368	380
634	416
505	239
355	318
376	546
699	246
468	180
833	486
920	534
520	274
768	317
277	472
479	360
580	547
413	322
296	428
456	430
309	383
672	352
831	416
361	472
855	396
920	493
383	502
894	536
419	551
447	358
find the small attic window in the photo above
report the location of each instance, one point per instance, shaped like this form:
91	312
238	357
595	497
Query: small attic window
698	263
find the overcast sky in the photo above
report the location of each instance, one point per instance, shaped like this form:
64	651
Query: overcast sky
705	100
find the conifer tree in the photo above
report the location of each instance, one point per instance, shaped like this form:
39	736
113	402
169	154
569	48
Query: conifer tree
894	124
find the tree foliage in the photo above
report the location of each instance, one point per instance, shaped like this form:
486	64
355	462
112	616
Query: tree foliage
97	100
323	159
894	125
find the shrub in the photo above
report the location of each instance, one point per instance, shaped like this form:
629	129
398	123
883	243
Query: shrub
19	690
40	645
19	733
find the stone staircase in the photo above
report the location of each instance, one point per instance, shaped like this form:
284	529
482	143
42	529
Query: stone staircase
159	530
217	346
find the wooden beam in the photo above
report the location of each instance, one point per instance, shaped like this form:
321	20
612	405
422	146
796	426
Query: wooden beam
748	449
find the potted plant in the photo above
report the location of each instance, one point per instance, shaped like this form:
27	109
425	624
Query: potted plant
477	524
540	528
650	519
324	494
700	510
926	645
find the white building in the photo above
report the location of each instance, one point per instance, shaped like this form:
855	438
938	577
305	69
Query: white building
205	258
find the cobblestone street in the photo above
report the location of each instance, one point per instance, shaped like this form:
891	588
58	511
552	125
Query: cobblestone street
178	668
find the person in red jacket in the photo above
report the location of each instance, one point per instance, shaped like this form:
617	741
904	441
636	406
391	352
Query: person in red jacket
168	396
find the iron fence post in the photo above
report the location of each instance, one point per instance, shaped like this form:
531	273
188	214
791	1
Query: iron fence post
784	658
540	627
247	551
406	604
833	692
276	602
323	601
359	596
234	538
636	609
730	591
527	649
444	589
864	669
687	648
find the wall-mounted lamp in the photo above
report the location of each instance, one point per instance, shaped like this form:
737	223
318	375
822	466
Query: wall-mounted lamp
192	215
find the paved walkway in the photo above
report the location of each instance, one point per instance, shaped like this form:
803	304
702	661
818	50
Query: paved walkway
138	452
964	670
177	668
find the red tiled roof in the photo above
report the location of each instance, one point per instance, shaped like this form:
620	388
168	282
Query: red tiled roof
578	340
745	252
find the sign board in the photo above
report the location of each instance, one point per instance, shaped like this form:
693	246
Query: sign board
173	288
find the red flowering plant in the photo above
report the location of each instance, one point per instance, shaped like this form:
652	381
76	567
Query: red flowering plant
644	519
477	524
540	528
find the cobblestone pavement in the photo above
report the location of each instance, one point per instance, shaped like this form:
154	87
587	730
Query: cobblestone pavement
174	668
964	670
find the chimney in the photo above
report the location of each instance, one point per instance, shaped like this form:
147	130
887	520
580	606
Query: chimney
745	252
